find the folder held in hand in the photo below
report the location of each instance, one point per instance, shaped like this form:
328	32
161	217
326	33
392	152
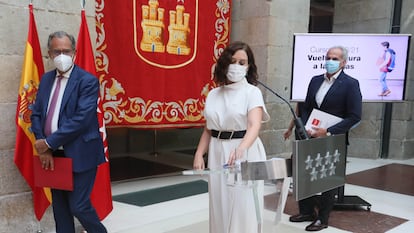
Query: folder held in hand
321	119
60	178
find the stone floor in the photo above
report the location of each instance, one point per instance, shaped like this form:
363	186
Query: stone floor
386	184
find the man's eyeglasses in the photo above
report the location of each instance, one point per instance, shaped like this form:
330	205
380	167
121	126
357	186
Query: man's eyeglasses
332	58
57	52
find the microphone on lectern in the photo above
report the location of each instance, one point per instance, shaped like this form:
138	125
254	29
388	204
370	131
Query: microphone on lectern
299	127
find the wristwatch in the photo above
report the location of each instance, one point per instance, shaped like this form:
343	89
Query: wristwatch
328	133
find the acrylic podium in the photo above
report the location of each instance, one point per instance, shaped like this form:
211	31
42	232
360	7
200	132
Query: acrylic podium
317	165
272	169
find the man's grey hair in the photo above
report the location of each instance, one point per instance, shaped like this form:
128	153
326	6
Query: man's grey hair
61	34
344	51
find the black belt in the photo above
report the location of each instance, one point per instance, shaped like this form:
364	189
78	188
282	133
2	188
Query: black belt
58	153
228	134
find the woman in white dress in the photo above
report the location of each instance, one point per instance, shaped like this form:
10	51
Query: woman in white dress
234	112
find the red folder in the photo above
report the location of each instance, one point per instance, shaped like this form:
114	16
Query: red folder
60	178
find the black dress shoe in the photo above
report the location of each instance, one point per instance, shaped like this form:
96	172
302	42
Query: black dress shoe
316	225
302	217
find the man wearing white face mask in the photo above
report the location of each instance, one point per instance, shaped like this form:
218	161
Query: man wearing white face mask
338	94
65	124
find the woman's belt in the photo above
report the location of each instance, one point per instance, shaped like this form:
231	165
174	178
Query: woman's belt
228	134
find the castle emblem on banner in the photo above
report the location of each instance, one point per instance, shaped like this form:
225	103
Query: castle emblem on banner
154	30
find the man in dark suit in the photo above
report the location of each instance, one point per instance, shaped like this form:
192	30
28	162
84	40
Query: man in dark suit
338	94
64	122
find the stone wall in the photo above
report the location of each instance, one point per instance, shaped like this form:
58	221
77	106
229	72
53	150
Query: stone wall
375	16
402	136
268	27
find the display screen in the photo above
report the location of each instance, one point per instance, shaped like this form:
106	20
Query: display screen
366	55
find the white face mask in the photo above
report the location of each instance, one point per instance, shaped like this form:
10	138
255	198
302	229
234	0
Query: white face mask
63	62
236	72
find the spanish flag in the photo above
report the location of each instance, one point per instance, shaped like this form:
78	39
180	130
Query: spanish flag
32	70
101	196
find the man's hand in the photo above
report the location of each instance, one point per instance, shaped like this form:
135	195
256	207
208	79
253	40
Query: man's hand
45	154
47	160
287	134
317	132
41	146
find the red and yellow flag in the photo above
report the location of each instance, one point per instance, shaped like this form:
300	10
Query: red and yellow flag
101	196
32	71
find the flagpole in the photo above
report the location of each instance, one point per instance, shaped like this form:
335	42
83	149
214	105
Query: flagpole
39	227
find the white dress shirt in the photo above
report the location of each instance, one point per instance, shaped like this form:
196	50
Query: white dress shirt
327	83
63	84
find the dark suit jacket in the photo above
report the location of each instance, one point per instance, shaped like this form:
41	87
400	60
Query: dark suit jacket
78	126
343	99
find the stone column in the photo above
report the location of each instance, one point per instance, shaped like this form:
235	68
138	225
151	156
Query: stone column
375	16
402	127
268	27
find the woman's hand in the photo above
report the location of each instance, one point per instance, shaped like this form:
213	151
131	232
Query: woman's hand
236	154
198	163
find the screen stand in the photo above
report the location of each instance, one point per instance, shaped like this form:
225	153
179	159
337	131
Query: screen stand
349	202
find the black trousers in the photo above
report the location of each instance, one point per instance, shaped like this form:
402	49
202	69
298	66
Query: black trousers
320	204
324	203
76	203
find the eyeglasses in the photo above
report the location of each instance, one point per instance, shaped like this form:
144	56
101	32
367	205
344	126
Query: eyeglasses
57	52
332	58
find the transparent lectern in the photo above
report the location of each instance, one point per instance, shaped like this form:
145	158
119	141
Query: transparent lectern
317	165
248	172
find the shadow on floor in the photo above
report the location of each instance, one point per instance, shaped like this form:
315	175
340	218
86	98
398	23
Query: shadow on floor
124	168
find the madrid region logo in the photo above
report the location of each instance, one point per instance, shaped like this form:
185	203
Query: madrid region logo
319	166
165	35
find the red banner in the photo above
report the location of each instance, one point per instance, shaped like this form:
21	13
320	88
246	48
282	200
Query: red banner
155	59
101	196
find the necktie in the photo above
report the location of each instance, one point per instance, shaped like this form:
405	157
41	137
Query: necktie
52	106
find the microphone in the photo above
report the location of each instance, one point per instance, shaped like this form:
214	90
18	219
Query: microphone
299	127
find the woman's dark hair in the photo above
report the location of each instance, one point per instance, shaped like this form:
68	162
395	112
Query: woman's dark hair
225	59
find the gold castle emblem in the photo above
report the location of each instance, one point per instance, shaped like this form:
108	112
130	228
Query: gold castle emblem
153	29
